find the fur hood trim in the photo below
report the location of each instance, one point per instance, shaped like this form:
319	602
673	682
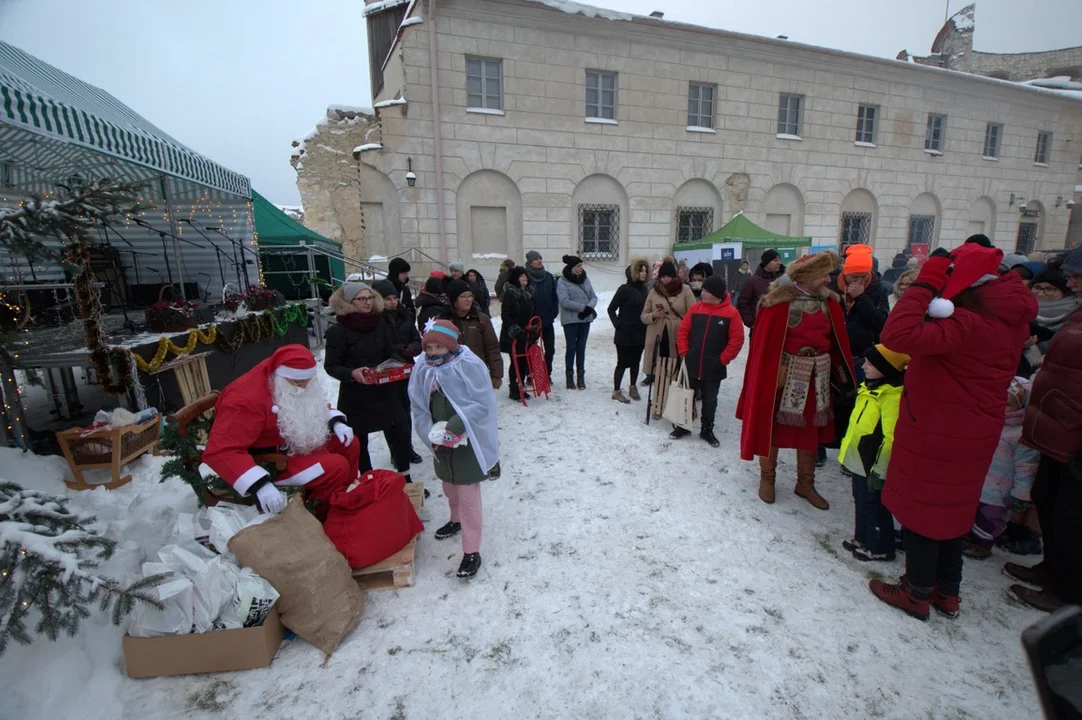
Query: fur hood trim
338	304
812	266
637	264
785	293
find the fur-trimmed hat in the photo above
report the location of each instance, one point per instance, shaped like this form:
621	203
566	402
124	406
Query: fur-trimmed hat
814	266
972	265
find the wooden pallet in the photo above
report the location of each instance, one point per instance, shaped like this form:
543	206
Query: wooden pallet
416	493
391	574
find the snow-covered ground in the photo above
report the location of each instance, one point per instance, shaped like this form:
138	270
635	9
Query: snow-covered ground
625	575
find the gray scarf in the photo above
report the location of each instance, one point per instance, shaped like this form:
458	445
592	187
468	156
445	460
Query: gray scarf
1051	314
536	276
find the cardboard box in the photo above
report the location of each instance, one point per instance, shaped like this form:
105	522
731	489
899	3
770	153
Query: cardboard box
217	651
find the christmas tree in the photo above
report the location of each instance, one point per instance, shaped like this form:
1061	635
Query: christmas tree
48	562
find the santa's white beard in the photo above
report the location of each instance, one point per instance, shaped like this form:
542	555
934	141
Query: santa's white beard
302	415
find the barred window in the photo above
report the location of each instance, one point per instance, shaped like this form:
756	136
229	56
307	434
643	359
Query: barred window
693	223
866	119
921	230
856	229
1027	238
599	232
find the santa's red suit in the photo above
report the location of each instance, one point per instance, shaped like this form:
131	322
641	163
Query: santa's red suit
246	420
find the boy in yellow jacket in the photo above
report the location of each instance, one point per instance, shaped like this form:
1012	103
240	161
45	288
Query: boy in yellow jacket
865	451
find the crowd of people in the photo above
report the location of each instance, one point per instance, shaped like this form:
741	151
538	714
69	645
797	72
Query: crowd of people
948	385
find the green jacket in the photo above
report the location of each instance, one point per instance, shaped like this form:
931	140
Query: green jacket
457	466
865	450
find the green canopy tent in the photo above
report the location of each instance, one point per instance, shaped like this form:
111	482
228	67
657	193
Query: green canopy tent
285	263
751	236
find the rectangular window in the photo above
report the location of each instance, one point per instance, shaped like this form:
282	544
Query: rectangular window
693	223
992	134
856	229
790	112
600	95
701	105
1044	146
921	230
484	83
867	116
1027	238
599	232
933	136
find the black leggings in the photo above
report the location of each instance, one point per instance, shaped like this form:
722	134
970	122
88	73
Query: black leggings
398	439
933	563
627	358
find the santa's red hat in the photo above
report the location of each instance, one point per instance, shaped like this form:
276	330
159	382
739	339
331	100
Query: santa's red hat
293	362
972	265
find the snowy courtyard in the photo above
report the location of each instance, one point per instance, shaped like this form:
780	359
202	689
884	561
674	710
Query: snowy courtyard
625	575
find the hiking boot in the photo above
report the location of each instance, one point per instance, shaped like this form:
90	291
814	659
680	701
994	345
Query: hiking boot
570	381
768	465
1035	575
633	392
976	550
449	530
679	432
707	434
415	459
865	555
494	473
901	596
946	605
471	563
582	381
805	480
1043	600
618	395
648	380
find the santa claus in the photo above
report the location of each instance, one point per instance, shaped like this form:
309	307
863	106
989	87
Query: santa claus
279	406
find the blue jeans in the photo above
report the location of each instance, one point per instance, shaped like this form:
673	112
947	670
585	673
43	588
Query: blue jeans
575	336
874	525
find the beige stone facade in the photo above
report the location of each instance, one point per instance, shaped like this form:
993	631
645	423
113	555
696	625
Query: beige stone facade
540	174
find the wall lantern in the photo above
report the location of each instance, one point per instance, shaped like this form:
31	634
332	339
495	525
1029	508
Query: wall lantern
411	179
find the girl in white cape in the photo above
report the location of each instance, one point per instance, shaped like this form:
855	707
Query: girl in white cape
454	410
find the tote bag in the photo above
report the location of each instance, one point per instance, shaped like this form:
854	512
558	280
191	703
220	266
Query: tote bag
680	402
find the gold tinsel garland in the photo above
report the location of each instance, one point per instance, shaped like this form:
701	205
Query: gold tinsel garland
166	345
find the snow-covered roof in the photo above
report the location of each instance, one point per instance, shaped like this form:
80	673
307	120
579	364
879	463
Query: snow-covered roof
1060	82
368	146
350	109
383	5
575	8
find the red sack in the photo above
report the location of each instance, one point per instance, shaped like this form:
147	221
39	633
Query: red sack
372	521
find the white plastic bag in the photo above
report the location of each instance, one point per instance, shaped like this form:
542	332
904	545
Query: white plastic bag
252	599
176	593
193	527
226	520
211	590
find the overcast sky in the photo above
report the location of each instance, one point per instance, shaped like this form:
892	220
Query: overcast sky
238	80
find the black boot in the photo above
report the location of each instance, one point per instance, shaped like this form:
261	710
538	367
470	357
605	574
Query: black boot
449	530
707	434
471	563
415	459
648	380
570	380
582	380
679	432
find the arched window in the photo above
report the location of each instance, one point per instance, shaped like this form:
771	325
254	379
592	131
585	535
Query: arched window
860	214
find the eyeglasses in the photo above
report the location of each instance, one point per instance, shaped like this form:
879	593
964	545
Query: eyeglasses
1043	289
364	298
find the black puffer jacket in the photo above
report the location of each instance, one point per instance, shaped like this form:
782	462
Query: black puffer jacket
406	337
429	307
625	310
516	312
864	320
479	289
752	290
368	408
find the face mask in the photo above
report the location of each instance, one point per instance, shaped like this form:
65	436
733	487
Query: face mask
696	285
436	360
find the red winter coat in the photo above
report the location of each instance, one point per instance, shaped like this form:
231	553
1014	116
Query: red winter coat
1053	423
374	520
710	337
758	395
954	403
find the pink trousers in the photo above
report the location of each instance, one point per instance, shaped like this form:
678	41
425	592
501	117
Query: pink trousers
465	502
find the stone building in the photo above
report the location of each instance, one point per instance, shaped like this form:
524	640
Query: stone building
953	50
563	127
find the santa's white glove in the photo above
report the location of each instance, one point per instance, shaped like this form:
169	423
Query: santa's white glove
271	499
343	432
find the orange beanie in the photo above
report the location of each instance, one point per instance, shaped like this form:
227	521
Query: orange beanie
858	260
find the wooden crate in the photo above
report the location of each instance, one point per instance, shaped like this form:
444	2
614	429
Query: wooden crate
107	449
390	574
416	493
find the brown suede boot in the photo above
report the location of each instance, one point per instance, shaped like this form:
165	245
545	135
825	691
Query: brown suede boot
805	480
768	465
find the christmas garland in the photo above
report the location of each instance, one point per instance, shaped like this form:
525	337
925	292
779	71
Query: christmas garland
166	345
112	365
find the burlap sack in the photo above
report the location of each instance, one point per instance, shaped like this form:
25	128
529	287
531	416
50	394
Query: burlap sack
319	600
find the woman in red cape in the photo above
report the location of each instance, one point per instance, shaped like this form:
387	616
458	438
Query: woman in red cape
799	359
